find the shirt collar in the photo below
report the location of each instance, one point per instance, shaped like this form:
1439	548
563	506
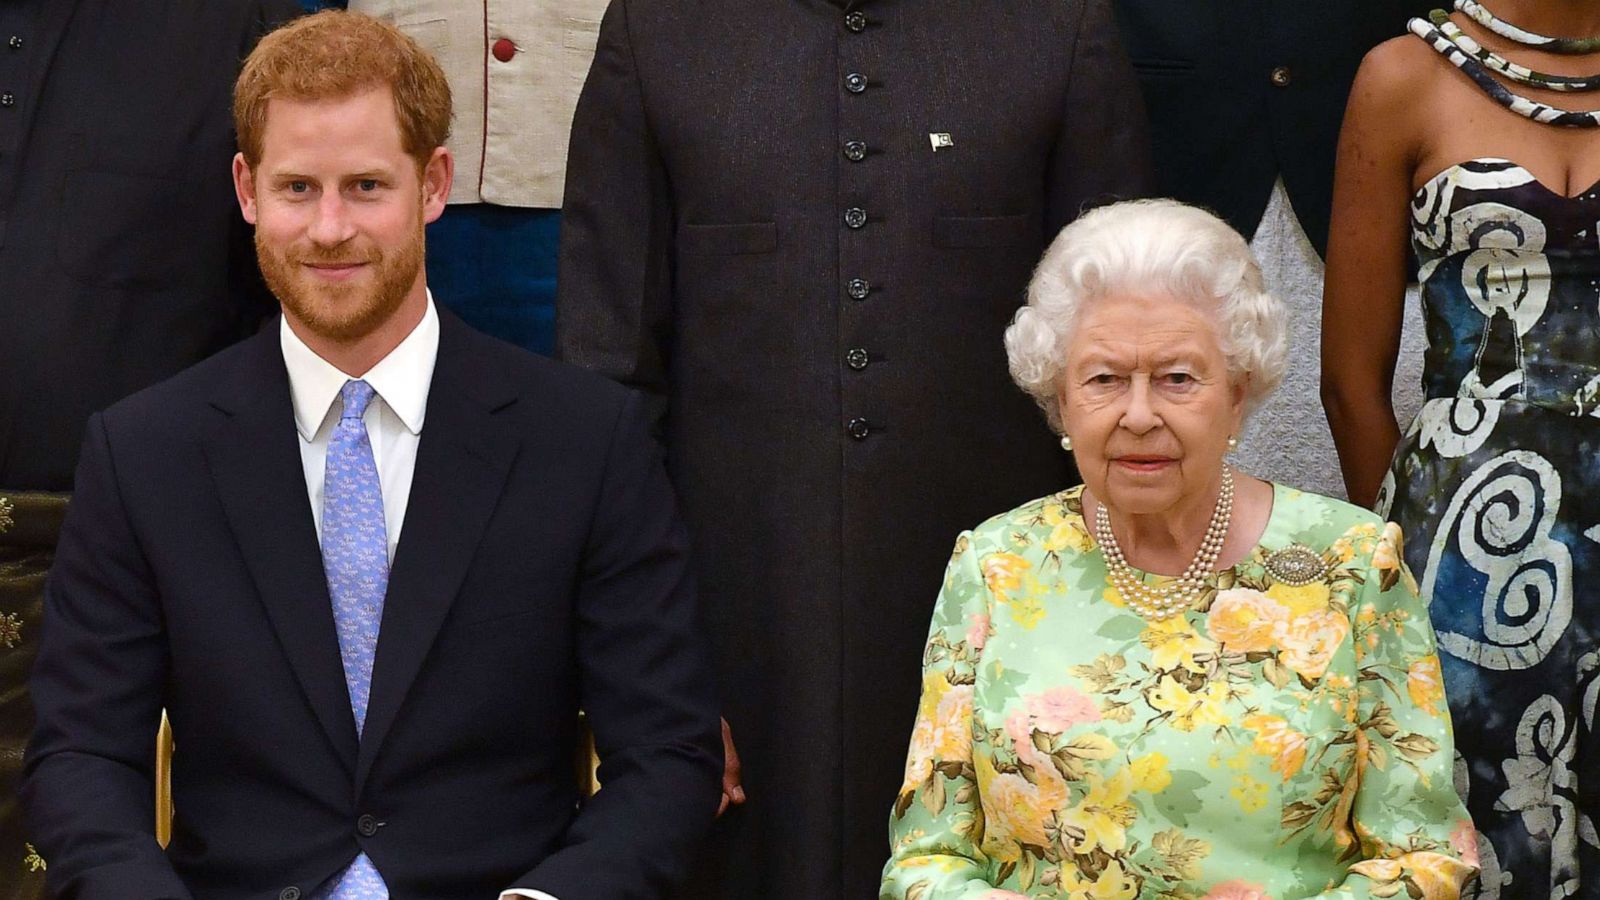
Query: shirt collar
401	379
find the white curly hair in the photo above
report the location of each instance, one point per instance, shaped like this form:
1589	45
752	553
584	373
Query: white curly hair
1140	246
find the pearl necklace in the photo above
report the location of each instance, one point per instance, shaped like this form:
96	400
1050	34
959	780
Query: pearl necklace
1175	596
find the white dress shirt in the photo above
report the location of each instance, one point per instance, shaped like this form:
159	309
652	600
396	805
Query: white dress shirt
394	425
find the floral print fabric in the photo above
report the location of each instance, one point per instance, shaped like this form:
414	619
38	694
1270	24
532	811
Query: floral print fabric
1277	742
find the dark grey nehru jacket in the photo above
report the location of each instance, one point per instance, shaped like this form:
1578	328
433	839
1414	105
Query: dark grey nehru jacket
802	226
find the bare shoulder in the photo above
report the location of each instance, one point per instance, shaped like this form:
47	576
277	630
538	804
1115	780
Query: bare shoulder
1393	74
1392	99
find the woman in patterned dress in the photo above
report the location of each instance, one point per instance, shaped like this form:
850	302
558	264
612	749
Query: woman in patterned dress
1268	724
1482	125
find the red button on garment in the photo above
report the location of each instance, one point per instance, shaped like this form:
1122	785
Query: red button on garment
503	50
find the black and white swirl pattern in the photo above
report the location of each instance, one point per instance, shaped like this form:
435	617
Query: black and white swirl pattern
1499	520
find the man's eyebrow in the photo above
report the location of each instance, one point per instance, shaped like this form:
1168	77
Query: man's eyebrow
291	175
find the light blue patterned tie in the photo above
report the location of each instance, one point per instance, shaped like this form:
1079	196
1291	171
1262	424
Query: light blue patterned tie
355	556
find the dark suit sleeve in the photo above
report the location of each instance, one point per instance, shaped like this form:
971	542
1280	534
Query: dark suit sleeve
88	785
1103	152
646	687
613	290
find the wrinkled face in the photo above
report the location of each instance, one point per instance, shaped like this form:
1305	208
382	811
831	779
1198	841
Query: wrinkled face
339	209
1146	399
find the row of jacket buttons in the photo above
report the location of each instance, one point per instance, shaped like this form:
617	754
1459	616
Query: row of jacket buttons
855	217
8	99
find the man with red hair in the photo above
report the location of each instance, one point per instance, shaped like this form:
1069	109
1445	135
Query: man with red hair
357	713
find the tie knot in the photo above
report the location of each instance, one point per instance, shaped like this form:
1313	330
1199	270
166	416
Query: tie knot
356	396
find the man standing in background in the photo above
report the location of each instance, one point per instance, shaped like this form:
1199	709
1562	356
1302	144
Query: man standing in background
122	261
801	227
515	68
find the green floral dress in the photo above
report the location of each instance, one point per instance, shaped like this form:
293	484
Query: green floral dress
1279	742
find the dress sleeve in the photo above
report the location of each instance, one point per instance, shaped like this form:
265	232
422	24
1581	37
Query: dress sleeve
937	823
1409	831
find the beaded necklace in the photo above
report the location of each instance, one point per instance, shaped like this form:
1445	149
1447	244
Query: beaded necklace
1173	597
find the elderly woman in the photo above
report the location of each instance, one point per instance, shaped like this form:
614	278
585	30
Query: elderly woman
1176	681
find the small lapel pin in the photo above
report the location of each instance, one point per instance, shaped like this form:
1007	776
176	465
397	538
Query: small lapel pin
940	140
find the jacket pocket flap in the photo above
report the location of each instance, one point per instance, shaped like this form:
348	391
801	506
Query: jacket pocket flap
983	231
1160	66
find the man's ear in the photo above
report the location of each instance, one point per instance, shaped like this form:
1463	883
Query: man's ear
437	176
244	188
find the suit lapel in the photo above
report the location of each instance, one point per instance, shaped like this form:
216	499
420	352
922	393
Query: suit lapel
462	460
254	455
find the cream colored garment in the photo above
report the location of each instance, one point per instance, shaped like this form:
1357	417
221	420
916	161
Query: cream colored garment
1287	440
509	135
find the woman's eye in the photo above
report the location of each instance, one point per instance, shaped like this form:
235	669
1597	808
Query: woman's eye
1179	378
1104	379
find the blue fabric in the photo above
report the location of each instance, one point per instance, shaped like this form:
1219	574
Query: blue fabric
312	6
355	558
495	267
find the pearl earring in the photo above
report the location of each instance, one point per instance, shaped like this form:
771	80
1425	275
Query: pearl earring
1066	443
1233	442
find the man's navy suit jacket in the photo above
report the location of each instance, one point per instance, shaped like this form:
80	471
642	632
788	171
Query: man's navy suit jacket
541	568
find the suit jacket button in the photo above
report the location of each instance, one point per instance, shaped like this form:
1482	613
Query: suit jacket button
859	428
289	893
855	217
1281	76
855	151
858	288
857	358
503	49
855	82
856	21
367	826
